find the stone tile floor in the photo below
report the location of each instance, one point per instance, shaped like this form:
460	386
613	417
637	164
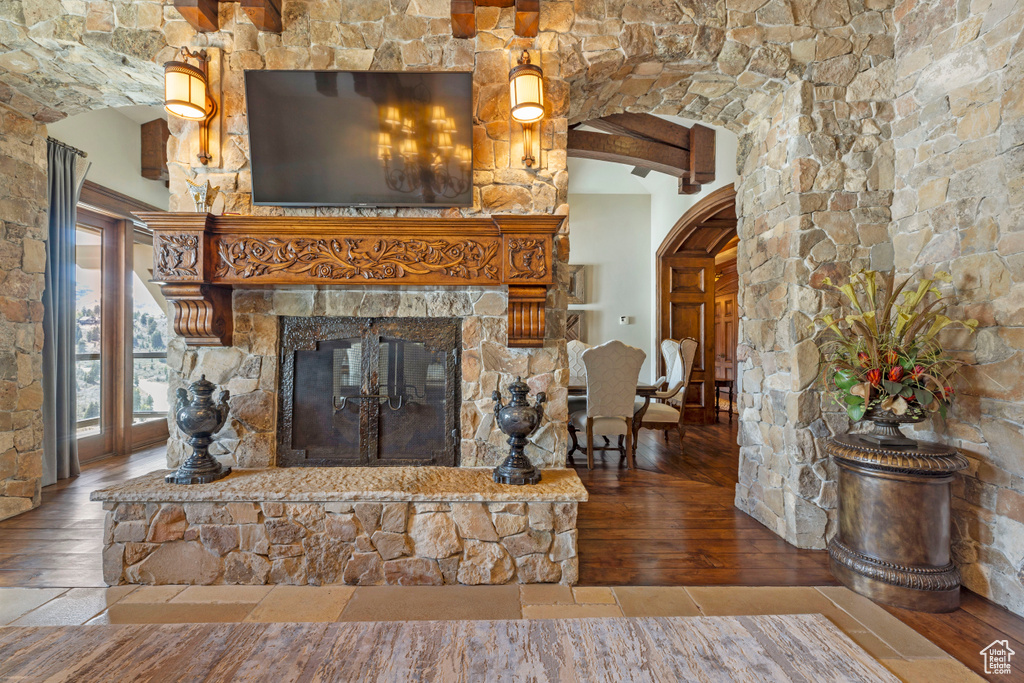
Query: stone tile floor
909	655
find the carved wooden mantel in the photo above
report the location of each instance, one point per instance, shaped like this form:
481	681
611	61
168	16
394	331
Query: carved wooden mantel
198	258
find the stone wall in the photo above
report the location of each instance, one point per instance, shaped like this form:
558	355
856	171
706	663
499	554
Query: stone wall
958	207
375	35
813	200
249	369
22	267
362	543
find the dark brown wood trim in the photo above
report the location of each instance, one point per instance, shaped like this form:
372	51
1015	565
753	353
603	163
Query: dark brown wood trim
697	214
527	18
202	15
112	203
623	149
645	126
673	252
199	257
264	14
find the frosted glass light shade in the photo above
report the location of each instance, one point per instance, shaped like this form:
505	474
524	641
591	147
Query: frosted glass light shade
526	92
185	90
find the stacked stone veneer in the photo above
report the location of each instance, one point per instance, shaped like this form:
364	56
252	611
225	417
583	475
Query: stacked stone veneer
249	369
959	207
357	543
22	265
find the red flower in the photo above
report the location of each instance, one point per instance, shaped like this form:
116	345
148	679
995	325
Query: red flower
891	357
895	374
864	359
917	372
947	392
875	377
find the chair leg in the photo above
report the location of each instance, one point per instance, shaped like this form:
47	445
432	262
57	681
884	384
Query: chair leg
630	460
679	430
590	443
575	442
622	450
666	436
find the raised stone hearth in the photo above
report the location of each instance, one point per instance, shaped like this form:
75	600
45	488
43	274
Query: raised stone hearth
328	525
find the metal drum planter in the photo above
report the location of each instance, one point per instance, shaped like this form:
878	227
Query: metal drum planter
893	544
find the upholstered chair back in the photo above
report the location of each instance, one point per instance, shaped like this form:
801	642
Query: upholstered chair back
576	367
613	369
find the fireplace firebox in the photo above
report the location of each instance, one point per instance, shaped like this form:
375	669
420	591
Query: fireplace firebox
369	391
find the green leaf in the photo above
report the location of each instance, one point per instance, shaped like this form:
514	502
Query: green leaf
906	392
854	400
942	409
855	412
845	379
924	397
892	388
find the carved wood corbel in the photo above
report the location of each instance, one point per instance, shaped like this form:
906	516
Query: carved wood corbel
526	320
202	313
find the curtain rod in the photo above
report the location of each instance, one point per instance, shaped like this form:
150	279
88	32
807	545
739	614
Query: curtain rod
64	144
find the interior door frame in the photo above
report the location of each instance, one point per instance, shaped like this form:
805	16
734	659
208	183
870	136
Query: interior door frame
697	235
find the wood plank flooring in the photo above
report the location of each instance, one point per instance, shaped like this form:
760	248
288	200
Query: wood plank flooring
671	522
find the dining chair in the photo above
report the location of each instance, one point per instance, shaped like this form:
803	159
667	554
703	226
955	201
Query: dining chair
613	369
577	375
662	415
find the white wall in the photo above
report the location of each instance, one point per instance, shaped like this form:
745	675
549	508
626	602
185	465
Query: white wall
590	181
611	235
114	145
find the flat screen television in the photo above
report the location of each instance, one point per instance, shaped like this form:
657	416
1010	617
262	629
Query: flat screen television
360	138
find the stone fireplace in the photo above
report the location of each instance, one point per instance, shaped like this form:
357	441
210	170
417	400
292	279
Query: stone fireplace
359	342
234	281
369	391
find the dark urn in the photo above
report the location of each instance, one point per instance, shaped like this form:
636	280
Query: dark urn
200	419
518	419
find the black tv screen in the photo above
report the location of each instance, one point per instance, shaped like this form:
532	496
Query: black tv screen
360	138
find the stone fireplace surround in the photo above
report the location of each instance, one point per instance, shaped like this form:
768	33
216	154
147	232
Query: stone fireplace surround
230	282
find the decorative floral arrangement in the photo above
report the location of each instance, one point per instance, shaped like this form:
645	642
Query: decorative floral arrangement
880	351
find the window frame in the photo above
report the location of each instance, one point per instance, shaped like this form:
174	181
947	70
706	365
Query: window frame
113	213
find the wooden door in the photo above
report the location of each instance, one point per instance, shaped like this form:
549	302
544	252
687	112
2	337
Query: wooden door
725	337
687	290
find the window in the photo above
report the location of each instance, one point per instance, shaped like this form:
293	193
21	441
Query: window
121	330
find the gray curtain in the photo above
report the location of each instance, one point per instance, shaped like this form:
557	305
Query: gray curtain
60	445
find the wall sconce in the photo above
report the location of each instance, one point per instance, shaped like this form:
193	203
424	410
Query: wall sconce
526	89
187	95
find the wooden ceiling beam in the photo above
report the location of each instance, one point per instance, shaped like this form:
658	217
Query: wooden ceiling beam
527	18
200	14
203	15
463	19
702	155
264	14
623	149
645	126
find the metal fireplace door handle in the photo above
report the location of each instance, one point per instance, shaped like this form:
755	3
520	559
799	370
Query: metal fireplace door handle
341	401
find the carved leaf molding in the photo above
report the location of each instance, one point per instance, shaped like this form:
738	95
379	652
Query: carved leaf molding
526	259
369	258
177	257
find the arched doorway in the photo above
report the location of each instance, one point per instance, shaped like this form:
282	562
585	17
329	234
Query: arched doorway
686	290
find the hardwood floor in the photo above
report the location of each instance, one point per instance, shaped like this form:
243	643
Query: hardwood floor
59	544
671	522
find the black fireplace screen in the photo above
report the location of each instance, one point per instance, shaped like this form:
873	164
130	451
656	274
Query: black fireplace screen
369	391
